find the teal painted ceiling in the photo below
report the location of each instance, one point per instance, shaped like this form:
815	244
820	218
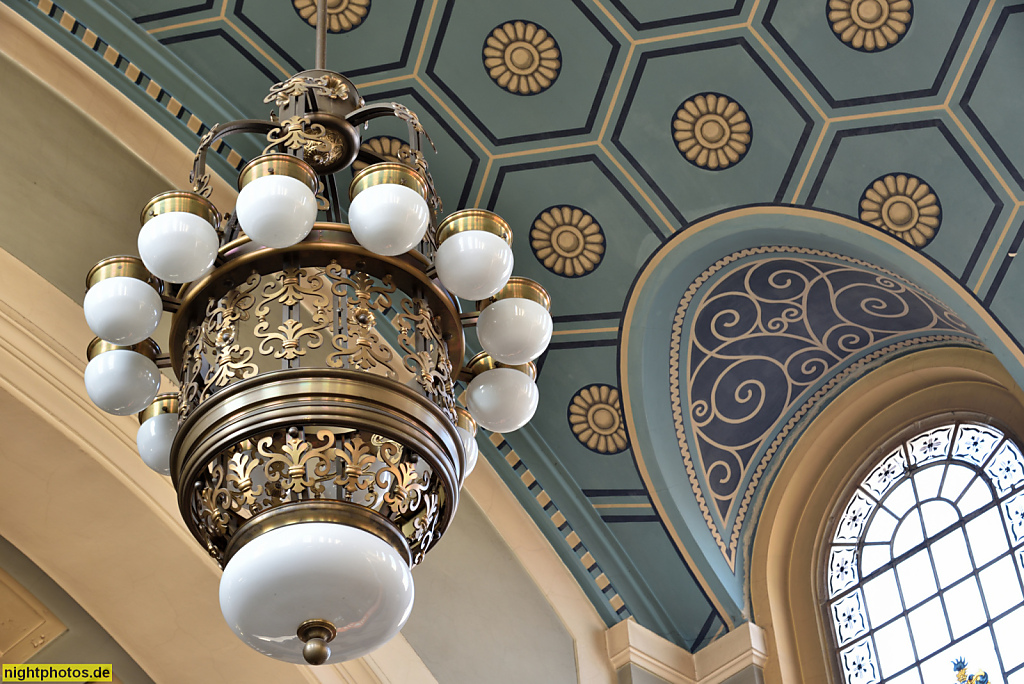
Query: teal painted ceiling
600	129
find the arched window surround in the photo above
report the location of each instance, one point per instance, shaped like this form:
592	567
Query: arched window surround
822	467
902	598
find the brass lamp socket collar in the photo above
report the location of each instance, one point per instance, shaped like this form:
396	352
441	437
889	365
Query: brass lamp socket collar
483	362
474	219
519	288
179	200
316	629
122	266
164	403
146	347
388	172
278	165
464	420
316	634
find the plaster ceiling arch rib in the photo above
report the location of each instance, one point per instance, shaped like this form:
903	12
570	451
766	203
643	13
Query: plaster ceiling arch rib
846	78
782	127
646	334
572	102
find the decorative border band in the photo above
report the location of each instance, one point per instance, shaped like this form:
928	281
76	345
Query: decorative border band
136	76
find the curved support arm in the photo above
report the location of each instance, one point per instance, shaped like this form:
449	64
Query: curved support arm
416	134
199	178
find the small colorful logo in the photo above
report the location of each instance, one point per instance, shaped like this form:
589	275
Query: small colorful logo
960	667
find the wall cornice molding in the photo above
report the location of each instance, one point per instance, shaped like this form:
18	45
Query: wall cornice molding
629	643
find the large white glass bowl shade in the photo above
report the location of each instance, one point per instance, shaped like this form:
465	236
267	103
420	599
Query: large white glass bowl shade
178	246
316	571
122	310
472	450
514	330
388	219
276	211
474	264
122	381
502	399
154	440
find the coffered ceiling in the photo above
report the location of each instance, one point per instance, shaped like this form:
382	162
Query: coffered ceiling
850	173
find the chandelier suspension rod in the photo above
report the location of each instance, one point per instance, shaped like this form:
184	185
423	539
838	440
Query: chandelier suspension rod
321	34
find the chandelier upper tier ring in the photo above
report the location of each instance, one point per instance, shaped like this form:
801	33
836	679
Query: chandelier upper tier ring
325	244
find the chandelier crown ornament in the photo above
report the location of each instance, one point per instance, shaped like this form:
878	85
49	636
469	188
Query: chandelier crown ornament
314	441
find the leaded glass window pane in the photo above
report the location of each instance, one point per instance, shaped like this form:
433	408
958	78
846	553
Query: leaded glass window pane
927	560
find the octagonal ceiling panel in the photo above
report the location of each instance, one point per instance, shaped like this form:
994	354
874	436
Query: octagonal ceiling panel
687	105
870	51
967	204
588	254
277	37
992	107
546	81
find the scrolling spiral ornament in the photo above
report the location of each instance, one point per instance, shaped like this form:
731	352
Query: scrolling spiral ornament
777	325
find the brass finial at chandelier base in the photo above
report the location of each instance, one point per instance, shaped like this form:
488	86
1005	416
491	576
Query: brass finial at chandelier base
316	634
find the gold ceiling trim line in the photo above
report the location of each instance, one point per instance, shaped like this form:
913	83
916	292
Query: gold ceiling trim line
124	66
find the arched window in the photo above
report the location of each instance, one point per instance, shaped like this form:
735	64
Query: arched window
925	565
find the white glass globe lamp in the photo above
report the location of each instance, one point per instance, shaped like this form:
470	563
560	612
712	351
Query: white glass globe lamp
122	305
515	326
474	254
467	431
388	213
276	205
178	241
501	398
316	592
122	380
158	424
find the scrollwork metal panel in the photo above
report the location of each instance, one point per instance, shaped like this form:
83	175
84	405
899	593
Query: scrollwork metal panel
307	463
328	317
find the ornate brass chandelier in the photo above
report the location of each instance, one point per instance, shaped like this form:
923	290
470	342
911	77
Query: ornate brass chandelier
315	442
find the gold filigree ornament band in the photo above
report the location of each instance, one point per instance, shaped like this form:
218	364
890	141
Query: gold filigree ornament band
327	382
